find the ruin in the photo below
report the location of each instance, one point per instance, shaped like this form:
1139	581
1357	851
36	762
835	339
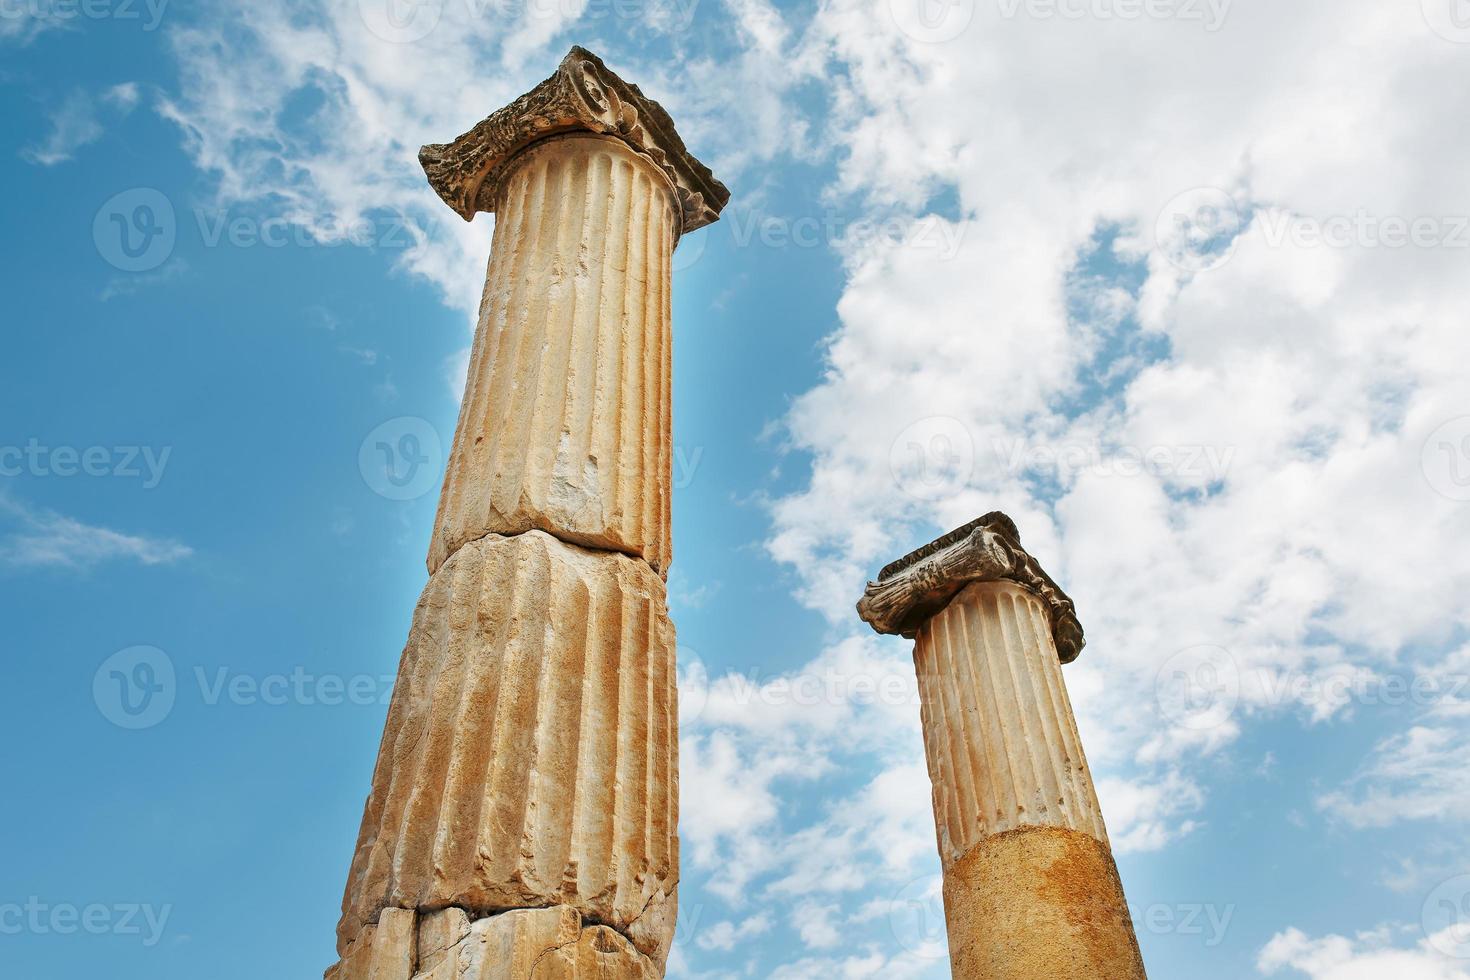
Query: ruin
524	807
1030	886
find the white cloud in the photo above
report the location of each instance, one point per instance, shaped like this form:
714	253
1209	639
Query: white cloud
42	538
76	122
1415	775
1313	374
724	935
1367	957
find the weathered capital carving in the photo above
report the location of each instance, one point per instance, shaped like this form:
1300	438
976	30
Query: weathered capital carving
585	95
913	589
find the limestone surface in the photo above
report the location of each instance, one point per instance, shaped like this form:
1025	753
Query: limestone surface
917	586
384	950
566	425
524	806
530	756
540	944
1030	887
1039	903
999	731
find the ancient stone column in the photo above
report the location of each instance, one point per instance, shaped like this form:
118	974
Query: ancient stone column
524	808
1030	887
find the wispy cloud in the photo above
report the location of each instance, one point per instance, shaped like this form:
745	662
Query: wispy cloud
135	282
39	538
77	122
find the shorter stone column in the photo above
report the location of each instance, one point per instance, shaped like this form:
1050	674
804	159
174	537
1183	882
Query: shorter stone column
1030	887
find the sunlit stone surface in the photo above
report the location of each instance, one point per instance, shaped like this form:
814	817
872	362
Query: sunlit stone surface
1030	886
523	814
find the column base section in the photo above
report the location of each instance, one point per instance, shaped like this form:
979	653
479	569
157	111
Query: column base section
530	757
1039	903
522	944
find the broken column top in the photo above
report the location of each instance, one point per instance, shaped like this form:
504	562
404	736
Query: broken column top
583	95
912	590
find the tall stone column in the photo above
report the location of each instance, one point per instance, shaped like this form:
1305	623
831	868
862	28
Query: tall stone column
1030	887
524	808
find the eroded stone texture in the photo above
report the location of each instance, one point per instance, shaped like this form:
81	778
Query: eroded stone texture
916	587
525	798
999	731
565	424
1030	887
384	950
438	933
1039	903
530	753
540	944
583	95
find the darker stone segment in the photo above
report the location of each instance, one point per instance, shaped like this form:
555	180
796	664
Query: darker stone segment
911	591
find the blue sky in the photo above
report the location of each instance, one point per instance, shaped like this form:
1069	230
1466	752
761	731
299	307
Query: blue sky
1199	328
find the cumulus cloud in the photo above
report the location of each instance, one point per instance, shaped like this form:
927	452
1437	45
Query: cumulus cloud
1212	439
1365	957
1218	433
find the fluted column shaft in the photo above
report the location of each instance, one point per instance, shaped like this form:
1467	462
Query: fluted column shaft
524	807
1031	891
1030	887
530	757
565	425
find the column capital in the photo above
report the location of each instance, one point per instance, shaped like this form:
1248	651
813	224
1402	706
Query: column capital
582	95
912	590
